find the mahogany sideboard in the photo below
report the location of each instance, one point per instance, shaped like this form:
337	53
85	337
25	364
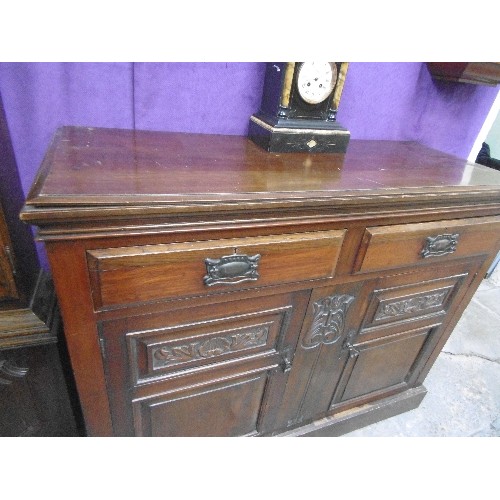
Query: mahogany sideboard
209	288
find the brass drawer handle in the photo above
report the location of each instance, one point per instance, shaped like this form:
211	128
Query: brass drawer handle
231	269
442	244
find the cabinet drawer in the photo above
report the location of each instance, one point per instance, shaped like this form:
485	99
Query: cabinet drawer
389	247
122	276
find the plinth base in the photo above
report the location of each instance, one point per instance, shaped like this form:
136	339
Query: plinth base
298	136
368	414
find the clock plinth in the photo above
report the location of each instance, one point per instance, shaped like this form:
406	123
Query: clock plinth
286	136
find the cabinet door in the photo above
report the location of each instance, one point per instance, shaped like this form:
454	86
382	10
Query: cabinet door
7	284
368	340
382	367
202	371
406	316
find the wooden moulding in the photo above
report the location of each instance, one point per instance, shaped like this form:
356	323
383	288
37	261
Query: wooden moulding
33	325
70	185
478	73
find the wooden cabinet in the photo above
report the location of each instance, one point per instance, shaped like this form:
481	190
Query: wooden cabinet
209	288
34	397
8	288
371	340
201	371
478	73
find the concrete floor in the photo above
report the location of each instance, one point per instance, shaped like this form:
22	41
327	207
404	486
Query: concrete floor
463	397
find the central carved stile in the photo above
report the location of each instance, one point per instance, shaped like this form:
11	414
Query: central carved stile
329	320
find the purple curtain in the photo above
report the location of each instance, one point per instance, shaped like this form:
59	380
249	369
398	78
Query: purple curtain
397	101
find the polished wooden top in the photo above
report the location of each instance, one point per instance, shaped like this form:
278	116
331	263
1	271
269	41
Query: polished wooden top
87	167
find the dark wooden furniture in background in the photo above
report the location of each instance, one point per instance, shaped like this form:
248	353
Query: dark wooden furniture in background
479	73
34	399
209	288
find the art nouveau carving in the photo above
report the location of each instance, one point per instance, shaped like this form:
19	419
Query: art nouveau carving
410	305
168	355
329	320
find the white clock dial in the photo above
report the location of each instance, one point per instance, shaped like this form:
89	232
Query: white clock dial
315	81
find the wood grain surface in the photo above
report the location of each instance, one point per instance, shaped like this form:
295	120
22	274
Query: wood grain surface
91	166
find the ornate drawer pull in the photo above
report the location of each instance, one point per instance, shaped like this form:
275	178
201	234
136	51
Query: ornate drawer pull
231	269
441	244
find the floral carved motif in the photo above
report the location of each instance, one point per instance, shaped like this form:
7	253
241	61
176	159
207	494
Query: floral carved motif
329	320
411	305
211	347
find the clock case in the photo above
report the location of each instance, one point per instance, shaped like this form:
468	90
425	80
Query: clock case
287	123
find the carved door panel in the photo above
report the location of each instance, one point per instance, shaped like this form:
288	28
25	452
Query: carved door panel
8	288
367	340
333	311
405	318
202	371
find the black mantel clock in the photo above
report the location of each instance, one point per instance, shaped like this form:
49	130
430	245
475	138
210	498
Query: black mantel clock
299	107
